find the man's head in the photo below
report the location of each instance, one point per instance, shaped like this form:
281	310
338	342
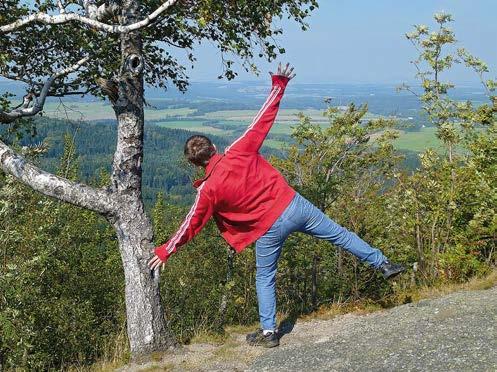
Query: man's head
199	149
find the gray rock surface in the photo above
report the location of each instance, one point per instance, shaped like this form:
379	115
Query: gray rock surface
457	332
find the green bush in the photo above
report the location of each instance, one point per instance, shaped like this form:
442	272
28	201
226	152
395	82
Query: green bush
61	282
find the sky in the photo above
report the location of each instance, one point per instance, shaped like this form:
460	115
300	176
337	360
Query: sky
362	41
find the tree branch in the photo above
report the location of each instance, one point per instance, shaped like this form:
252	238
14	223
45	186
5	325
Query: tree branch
98	200
72	93
98	12
62	10
39	101
95	23
340	160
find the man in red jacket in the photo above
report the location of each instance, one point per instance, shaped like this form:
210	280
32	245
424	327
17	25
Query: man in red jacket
252	202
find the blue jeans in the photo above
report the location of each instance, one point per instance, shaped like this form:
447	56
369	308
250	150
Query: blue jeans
300	215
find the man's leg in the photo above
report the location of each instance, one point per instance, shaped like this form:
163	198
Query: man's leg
316	223
267	251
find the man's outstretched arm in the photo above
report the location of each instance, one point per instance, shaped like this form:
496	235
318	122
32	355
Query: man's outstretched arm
196	219
254	136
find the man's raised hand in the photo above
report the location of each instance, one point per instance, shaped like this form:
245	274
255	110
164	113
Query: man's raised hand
286	72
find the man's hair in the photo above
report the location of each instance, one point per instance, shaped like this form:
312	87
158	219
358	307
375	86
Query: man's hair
199	149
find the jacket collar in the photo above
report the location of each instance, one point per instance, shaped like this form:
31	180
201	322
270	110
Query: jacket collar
208	170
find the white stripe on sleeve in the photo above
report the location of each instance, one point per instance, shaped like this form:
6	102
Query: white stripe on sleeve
272	96
179	234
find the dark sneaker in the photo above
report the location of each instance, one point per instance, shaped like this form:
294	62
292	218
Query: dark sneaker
254	335
389	270
257	338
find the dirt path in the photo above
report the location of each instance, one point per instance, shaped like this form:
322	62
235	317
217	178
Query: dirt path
457	332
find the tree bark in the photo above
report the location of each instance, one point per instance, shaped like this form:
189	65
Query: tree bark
94	13
314	289
146	326
419	242
147	329
223	305
79	194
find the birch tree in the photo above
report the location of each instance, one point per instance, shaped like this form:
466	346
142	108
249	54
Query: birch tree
113	49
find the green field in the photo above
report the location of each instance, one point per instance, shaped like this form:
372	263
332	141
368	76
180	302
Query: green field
101	111
411	141
284	115
193	125
197	126
275	144
185	118
79	110
418	141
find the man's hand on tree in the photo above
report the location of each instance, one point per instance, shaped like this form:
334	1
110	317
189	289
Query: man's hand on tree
286	72
161	256
155	263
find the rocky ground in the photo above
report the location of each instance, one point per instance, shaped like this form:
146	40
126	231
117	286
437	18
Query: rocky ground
457	332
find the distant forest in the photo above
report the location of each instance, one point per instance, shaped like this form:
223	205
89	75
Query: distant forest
164	169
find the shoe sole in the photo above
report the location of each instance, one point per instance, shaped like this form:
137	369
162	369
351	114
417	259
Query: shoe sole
264	344
394	274
252	340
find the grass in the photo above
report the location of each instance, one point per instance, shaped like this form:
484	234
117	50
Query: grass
226	351
474	284
418	141
212	338
403	296
287	118
284	115
275	144
158	368
97	110
153	114
196	124
412	141
100	110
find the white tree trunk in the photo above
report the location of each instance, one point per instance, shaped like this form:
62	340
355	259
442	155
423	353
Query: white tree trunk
122	202
147	331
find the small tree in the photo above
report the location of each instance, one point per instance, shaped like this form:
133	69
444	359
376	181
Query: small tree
327	162
444	197
51	312
113	48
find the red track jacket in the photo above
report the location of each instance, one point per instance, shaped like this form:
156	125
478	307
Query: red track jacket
241	190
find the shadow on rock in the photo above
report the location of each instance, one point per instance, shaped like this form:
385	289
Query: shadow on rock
286	325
